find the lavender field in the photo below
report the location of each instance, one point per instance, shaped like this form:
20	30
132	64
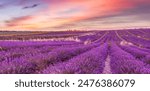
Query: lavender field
75	52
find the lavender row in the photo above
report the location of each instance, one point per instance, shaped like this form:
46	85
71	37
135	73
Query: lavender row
139	54
91	37
135	40
140	34
41	60
108	37
35	43
21	51
57	55
91	62
16	66
124	63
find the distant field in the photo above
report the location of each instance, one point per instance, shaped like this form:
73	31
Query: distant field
23	35
75	52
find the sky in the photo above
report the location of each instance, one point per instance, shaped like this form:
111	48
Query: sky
57	15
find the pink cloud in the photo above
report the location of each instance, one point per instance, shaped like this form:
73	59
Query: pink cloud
17	21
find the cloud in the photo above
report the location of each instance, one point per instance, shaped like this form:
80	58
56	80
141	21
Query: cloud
18	3
17	21
1	6
33	6
63	14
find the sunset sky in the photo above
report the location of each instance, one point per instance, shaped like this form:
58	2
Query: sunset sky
56	15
